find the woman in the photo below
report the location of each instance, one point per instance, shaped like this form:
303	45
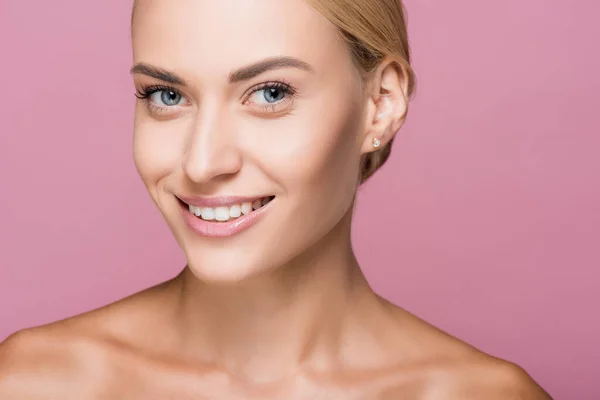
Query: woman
256	122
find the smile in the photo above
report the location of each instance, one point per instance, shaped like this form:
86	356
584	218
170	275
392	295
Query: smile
228	213
223	216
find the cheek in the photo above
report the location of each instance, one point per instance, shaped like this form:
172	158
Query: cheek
318	151
156	150
331	169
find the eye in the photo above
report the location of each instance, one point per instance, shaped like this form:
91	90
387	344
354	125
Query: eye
162	101
272	93
161	96
166	97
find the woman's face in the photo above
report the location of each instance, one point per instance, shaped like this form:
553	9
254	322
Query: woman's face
223	115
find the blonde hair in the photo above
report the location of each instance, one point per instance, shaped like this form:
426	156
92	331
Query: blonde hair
373	30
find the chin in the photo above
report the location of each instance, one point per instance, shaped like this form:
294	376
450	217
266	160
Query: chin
224	265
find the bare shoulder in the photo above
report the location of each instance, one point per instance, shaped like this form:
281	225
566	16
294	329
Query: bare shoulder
484	377
43	363
475	379
74	357
447	368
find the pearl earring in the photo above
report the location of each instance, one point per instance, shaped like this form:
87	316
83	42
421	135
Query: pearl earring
376	143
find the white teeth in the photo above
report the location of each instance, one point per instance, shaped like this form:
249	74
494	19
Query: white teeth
195	210
223	214
235	211
246	208
208	214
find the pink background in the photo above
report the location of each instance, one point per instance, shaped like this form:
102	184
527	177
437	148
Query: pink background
485	221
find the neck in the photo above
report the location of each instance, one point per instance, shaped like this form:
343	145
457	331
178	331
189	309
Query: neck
272	325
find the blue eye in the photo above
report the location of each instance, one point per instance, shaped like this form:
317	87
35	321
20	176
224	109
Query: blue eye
161	96
273	94
166	97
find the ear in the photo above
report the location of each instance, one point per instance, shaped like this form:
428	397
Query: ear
387	105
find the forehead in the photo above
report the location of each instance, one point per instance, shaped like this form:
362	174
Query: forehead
212	36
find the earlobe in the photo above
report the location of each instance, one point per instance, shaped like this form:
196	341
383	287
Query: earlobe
375	137
381	122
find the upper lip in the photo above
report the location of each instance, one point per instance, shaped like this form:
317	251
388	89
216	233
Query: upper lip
221	201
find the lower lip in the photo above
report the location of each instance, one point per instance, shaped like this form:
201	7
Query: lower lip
222	229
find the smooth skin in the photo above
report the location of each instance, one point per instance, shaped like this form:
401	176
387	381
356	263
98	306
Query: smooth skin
281	310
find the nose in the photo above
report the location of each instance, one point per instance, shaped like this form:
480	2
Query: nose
211	151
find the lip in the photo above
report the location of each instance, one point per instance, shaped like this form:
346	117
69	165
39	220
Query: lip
221	229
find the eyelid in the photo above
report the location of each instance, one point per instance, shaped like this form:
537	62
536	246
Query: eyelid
290	91
277	83
160	110
148	90
278	107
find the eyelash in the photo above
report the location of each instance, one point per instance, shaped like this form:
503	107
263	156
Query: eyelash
285	87
147	91
288	89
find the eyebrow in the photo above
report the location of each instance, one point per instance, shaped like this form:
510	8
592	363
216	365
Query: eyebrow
157	73
258	68
242	74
